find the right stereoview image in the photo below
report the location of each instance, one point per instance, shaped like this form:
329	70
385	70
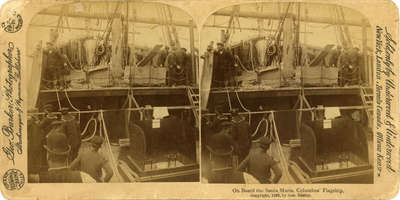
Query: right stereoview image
286	95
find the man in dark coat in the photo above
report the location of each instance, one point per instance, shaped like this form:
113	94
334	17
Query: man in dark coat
188	66
57	157
259	163
54	67
222	67
175	64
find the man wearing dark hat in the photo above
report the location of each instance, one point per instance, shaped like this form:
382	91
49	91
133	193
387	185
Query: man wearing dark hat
222	67
259	163
54	66
57	157
92	162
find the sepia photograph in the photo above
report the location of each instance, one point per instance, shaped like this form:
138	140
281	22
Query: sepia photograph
287	94
112	94
199	99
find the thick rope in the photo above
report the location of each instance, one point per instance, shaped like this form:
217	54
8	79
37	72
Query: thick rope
244	108
241	64
72	106
302	173
258	126
282	155
229	99
108	145
58	100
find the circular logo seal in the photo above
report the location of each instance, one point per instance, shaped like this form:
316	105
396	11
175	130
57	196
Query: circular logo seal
13	23
13	179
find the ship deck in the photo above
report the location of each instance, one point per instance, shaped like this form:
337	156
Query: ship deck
260	91
117	91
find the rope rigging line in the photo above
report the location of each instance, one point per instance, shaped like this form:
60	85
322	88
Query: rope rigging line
108	145
280	150
258	126
117	110
293	110
229	99
280	25
58	100
244	108
241	64
72	106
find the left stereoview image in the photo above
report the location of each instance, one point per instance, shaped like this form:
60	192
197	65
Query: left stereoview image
113	94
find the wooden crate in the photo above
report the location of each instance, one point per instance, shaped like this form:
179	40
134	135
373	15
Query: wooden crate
77	78
330	76
312	76
158	76
100	77
247	78
148	75
270	78
320	76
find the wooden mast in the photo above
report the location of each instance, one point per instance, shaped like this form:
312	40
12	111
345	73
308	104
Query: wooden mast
191	33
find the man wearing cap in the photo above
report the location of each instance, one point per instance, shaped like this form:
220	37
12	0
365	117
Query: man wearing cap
57	157
92	162
54	65
222	67
259	163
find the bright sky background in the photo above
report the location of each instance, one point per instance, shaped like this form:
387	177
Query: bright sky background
145	34
317	34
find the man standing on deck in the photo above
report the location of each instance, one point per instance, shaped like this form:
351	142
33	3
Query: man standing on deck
92	162
222	67
259	163
174	62
54	67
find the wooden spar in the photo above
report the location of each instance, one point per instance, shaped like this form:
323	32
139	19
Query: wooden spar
173	28
191	34
245	28
75	28
136	33
345	28
106	16
275	16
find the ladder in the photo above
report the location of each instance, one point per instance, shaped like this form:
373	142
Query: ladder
194	99
367	98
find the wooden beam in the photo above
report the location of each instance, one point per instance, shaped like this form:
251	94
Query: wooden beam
191	34
275	16
246	28
288	92
75	28
105	16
